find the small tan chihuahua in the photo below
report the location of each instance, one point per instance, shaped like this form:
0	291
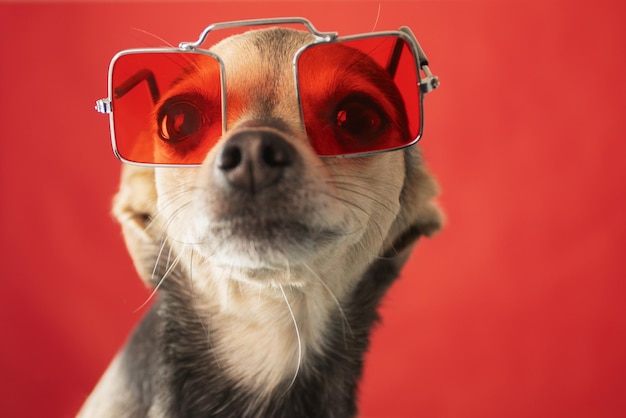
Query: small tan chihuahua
273	193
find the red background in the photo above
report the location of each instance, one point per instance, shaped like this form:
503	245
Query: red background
515	310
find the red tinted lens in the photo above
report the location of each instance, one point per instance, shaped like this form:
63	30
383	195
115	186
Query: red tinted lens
166	107
360	95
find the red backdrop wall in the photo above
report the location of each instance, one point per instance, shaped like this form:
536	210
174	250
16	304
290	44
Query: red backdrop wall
515	310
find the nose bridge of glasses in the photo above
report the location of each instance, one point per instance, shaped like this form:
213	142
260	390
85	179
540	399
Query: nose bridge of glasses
268	94
247	24
260	85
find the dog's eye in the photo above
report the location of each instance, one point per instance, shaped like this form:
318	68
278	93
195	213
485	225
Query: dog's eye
178	120
359	119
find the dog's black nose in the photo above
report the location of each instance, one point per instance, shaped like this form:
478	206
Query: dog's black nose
252	160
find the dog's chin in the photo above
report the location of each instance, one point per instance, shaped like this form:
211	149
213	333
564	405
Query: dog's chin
266	245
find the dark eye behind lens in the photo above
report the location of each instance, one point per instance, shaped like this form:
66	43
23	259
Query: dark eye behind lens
179	119
359	119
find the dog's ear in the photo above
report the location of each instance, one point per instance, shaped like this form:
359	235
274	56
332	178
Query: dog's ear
419	215
134	207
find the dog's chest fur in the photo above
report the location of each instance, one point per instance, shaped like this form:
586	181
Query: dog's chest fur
172	358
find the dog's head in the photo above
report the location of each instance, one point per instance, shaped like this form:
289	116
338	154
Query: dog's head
264	208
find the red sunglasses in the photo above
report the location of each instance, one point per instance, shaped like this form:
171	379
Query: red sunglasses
375	104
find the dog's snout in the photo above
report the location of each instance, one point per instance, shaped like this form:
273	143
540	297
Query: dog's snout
255	159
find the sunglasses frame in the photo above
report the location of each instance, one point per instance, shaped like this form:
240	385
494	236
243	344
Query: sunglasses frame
426	83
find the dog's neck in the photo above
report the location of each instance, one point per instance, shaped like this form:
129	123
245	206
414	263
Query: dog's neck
222	358
265	325
263	334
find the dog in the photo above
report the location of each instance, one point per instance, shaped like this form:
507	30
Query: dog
267	262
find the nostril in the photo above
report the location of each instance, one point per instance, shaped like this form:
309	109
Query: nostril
274	154
229	158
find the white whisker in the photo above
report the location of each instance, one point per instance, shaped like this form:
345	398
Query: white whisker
167	43
377	17
345	321
295	324
170	268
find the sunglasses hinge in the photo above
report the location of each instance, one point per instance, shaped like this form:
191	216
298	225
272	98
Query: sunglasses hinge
325	36
103	106
429	83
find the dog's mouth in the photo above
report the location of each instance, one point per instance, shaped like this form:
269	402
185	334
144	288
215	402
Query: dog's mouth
252	242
